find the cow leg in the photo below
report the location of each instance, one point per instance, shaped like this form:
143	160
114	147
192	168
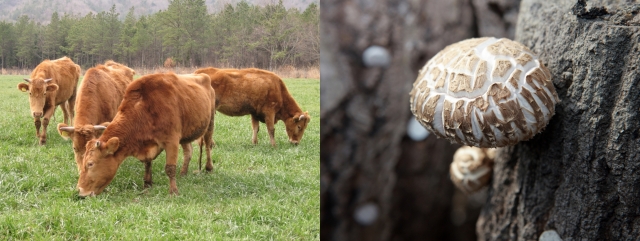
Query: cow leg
255	125
72	106
207	139
187	150
209	166
269	119
43	135
148	182
37	123
65	112
170	167
45	122
213	127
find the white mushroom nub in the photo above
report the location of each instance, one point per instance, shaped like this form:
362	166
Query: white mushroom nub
471	168
484	92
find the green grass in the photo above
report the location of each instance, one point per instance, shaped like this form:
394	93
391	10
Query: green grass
254	193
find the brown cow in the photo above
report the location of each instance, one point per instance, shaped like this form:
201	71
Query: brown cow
99	96
52	83
261	94
159	111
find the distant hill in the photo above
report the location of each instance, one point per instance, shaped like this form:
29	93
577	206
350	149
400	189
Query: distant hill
41	10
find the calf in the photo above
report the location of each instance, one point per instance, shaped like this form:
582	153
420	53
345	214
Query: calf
261	94
52	83
99	96
158	112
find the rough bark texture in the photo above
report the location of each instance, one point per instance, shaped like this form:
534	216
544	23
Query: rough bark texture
366	159
496	18
580	176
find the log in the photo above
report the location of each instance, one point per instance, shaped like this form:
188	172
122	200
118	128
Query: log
579	178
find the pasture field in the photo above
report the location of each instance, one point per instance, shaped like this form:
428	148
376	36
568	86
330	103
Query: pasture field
254	192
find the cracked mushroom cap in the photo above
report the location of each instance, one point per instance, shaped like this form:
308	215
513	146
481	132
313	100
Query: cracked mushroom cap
472	168
484	92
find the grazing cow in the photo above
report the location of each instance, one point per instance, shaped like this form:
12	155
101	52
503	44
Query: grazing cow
261	94
159	111
52	83
99	96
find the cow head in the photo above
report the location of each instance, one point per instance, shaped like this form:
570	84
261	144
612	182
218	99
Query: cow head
296	126
38	90
99	166
80	135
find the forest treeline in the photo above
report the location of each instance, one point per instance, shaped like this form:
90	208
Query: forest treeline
240	36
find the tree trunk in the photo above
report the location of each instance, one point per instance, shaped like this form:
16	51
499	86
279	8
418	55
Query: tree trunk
580	176
376	183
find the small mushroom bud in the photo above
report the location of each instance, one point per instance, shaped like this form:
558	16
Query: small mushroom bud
376	56
366	214
484	92
549	235
471	168
416	131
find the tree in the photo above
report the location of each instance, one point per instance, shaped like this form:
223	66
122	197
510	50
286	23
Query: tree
579	177
184	25
109	28
306	41
26	41
52	38
242	35
141	41
126	47
7	43
273	33
81	40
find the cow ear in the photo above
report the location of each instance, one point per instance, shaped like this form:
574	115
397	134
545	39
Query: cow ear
52	87
65	131
112	145
23	87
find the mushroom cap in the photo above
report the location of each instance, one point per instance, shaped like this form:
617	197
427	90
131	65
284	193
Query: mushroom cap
472	168
484	92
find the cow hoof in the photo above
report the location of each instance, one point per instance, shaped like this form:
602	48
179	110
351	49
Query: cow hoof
42	142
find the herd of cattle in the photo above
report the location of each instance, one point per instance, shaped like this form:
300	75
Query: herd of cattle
118	116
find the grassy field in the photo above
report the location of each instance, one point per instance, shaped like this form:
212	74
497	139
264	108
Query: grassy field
254	192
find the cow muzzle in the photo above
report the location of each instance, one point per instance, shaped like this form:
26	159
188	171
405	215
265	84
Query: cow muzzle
36	114
82	193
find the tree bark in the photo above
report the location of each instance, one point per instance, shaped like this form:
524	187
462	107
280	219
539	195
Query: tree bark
580	176
368	164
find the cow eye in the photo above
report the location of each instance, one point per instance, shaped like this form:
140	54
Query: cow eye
90	164
299	128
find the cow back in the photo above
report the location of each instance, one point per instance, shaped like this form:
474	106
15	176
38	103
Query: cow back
100	94
164	107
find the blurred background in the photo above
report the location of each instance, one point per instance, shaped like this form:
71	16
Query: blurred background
377	183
